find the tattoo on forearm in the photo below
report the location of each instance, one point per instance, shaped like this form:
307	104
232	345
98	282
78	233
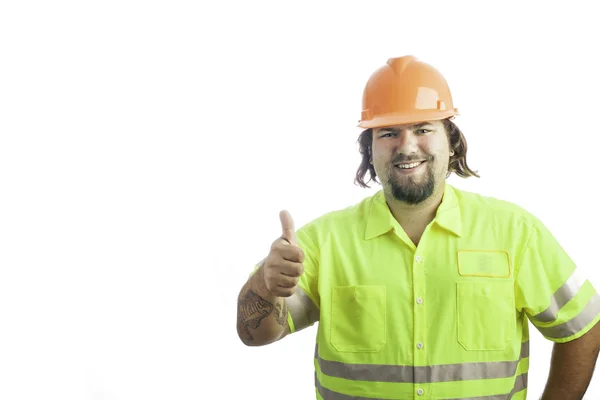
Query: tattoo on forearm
252	309
281	316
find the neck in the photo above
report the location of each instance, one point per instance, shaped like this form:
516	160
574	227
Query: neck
415	217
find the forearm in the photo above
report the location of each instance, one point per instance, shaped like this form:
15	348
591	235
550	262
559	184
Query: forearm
571	370
261	317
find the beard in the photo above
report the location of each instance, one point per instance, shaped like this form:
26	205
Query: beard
409	190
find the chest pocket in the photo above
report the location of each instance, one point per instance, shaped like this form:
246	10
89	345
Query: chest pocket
486	314
358	315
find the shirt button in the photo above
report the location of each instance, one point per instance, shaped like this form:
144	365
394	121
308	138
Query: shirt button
419	301
418	258
419	345
420	392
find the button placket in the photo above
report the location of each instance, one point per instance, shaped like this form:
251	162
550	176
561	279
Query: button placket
419	311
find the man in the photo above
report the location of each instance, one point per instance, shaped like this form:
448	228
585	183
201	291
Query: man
423	291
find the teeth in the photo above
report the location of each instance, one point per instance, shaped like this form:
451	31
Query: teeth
407	166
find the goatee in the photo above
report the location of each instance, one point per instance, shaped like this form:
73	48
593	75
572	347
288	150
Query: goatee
409	191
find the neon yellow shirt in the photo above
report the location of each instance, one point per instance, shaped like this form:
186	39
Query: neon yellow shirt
446	319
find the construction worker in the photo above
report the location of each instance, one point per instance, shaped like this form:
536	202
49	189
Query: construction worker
423	291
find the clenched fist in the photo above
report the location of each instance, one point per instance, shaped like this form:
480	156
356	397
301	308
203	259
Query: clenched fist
283	266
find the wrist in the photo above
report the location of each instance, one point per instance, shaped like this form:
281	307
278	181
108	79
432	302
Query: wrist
259	286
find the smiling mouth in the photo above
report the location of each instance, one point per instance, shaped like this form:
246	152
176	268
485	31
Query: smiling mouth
408	166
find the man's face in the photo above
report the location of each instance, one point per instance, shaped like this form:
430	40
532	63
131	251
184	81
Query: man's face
411	160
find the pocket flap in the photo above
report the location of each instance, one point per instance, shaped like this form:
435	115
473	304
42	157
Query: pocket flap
484	263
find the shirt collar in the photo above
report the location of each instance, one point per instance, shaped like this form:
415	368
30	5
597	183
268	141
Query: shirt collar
380	219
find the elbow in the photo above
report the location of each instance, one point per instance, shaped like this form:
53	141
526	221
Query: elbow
251	342
246	342
246	337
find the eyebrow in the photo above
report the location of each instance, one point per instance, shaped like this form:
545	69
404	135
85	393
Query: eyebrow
416	126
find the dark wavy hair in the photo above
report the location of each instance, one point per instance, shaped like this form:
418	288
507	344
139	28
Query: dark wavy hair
457	163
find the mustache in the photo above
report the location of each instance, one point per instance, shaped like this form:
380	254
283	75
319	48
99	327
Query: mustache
403	158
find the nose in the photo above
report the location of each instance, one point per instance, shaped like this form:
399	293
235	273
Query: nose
407	142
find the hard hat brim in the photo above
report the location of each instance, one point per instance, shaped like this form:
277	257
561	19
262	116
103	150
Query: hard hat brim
415	117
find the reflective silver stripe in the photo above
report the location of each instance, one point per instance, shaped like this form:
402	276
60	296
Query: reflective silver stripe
561	297
520	384
427	374
304	312
328	394
587	315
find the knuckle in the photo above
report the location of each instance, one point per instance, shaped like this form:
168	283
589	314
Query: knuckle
300	255
289	270
276	245
298	270
284	283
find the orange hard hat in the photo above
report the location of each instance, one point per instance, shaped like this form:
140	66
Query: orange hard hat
405	90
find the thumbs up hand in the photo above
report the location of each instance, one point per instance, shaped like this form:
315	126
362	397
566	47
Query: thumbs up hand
283	266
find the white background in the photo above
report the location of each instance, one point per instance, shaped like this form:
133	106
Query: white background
147	148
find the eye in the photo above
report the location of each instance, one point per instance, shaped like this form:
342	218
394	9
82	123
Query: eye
387	134
422	131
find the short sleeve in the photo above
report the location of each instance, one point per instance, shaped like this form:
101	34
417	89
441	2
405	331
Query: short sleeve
558	301
304	305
